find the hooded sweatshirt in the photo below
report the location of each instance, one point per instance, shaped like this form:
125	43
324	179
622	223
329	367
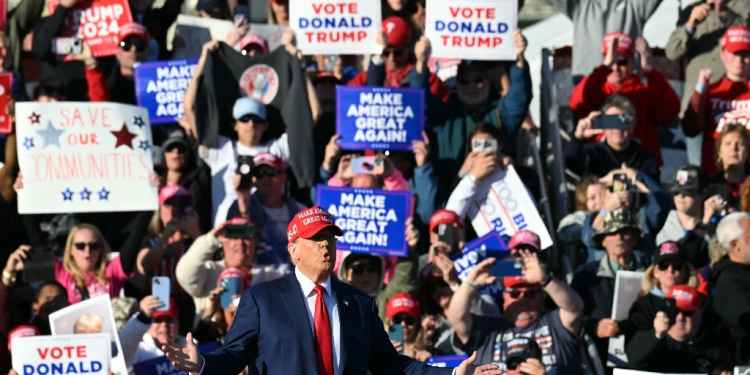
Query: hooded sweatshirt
732	302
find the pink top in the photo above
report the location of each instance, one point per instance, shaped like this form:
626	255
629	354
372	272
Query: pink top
116	279
394	182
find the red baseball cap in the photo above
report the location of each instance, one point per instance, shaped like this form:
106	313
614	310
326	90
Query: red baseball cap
132	28
444	217
326	76
516	282
21	331
686	298
170	191
172	312
269	159
736	39
403	303
625	46
254	39
397	31
525	237
234	272
309	222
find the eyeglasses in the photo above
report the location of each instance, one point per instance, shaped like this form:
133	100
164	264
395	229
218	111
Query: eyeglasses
129	42
475	80
93	246
395	52
359	269
676	265
409	320
246	118
528	293
267	173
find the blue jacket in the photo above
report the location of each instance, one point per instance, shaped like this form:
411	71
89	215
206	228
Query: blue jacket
272	335
651	216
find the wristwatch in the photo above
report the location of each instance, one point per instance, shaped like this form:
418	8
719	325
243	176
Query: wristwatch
546	282
10	276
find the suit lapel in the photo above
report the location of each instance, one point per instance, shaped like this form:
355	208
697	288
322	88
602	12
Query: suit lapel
295	304
345	305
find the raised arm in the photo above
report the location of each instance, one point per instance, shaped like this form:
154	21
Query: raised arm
458	311
188	102
695	118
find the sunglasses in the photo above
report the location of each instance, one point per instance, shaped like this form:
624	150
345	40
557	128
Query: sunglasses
129	42
530	293
247	118
622	62
676	265
180	148
409	320
267	173
395	52
475	80
686	314
359	269
514	363
93	246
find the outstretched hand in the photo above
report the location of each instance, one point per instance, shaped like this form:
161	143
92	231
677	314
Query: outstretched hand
184	358
467	368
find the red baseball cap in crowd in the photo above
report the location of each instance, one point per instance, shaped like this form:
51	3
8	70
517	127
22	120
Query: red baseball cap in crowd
626	47
516	282
525	237
736	39
403	303
397	31
233	272
170	191
309	222
254	39
171	313
444	217
21	331
132	28
269	159
326	76
686	298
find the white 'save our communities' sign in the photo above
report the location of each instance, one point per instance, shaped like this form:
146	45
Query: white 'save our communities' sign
336	27
472	29
62	355
84	157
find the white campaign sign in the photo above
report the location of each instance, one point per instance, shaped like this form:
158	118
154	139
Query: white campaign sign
192	32
627	288
84	157
508	209
472	29
62	355
333	28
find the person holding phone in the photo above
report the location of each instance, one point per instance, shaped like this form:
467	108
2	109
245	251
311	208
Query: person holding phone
524	315
619	145
403	310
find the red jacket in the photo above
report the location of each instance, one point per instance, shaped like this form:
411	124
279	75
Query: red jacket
655	104
400	78
97	84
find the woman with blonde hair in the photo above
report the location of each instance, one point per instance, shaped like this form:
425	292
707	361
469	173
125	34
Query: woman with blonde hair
403	309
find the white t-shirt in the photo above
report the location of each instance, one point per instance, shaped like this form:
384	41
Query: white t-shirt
223	162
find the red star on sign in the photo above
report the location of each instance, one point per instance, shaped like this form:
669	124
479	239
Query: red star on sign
34	118
124	137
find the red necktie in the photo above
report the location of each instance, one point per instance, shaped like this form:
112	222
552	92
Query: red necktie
323	341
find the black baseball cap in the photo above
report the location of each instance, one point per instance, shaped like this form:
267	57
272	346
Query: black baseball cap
520	349
689	180
669	251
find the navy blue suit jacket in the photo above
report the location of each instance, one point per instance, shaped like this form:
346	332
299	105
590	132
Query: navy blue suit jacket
271	334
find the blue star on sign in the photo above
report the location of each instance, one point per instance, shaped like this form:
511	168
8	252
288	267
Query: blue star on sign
138	121
103	195
67	195
28	143
85	194
145	146
50	135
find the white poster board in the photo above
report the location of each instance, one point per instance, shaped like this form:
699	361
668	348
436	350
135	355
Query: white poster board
66	354
96	316
84	157
742	370
627	288
507	208
472	29
336	28
192	32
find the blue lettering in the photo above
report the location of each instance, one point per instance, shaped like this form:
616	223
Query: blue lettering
96	366
330	22
366	21
498	226
42	369
502	27
28	369
480	28
466	27
81	368
343	23
71	369
439	25
453	26
57	368
303	23
317	23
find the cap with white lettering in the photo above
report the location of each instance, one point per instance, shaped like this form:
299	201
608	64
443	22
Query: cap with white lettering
307	223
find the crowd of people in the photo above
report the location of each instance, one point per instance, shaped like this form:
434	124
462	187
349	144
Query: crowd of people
690	237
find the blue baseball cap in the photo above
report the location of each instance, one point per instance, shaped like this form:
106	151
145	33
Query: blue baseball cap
248	106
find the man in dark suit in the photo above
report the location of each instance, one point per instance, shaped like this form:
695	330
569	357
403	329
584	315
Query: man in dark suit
308	322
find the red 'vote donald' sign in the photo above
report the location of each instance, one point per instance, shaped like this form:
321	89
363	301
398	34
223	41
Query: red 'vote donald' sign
335	27
472	30
62	355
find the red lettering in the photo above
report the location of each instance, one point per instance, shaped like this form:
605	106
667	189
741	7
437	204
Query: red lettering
317	7
491	13
64	114
321	37
72	139
457	41
467	13
94	116
26	158
42	354
329	8
145	167
81	350
445	39
361	35
496	41
483	42
454	11
56	353
348	36
353	8
77	116
105	118
309	36
93	139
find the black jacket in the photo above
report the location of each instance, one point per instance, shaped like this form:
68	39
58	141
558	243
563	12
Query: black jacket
732	302
643	311
598	159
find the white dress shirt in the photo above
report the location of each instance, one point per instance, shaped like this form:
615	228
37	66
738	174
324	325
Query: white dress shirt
329	297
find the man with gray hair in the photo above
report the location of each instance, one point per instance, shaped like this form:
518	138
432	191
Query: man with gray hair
731	275
618	147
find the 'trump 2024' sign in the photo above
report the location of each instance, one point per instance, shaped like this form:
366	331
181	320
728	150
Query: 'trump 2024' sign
373	220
